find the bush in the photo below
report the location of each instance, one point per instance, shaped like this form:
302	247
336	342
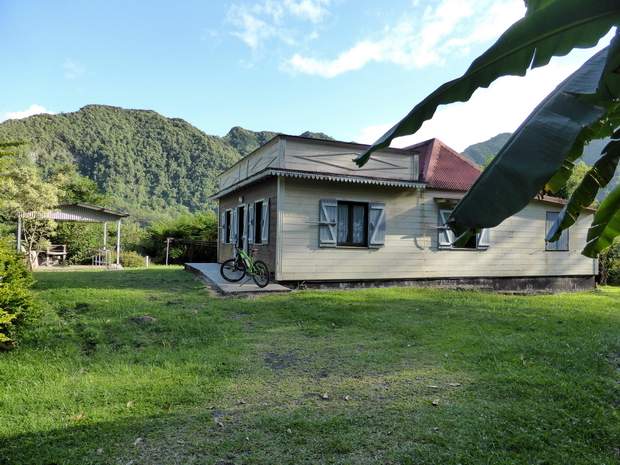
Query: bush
132	260
17	304
189	234
609	265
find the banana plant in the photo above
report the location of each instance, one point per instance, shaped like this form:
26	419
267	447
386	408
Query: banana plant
540	155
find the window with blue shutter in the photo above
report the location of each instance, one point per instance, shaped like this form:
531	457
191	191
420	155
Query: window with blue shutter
328	222
562	243
264	222
258	228
376	225
445	236
351	224
251	224
224	234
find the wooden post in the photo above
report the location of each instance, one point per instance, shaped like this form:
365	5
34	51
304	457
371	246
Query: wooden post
19	233
118	244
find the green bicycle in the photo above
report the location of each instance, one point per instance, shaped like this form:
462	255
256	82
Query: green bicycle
234	269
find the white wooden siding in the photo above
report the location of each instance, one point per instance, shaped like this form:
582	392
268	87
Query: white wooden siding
308	156
265	157
314	156
517	245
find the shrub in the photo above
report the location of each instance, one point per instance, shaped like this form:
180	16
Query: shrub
189	234
17	304
132	260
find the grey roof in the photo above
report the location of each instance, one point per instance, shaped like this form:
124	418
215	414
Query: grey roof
79	211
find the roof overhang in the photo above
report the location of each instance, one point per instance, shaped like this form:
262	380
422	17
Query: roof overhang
319	177
80	211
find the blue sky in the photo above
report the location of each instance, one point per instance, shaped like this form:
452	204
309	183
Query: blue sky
348	68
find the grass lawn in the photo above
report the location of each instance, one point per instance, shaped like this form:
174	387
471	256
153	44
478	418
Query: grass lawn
146	367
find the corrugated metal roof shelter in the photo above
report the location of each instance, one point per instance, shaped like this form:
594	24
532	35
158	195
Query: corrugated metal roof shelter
84	212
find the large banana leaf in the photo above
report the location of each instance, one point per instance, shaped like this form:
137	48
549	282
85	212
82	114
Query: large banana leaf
533	156
550	28
534	152
605	225
596	178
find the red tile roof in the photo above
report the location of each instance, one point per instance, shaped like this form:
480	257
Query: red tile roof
443	168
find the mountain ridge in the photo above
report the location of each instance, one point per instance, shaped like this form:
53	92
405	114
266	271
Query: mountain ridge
143	161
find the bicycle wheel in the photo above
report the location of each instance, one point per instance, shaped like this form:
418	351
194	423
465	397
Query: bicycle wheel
232	270
261	274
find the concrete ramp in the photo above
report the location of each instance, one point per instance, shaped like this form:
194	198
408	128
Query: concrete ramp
210	272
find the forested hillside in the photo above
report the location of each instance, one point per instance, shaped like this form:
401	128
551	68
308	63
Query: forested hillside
146	163
480	152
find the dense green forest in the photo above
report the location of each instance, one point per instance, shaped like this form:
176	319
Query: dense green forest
148	165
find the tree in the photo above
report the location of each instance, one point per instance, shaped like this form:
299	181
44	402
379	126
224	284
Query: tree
27	199
539	157
17	304
76	188
578	174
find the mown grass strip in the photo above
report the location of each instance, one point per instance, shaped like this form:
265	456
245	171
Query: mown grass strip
145	365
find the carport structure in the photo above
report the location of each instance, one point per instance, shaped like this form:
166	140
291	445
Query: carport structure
84	212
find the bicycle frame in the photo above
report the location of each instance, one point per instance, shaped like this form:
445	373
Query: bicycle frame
248	260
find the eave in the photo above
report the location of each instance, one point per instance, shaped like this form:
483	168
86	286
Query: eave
318	177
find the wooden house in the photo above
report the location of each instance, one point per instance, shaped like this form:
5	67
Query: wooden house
315	217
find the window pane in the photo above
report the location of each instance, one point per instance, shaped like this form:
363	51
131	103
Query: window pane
359	221
562	243
343	222
258	220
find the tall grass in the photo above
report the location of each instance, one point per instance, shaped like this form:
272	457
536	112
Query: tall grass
147	366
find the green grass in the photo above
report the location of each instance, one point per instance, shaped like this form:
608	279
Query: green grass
390	376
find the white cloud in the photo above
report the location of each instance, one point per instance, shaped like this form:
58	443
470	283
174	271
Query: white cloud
415	42
253	29
352	59
33	110
73	69
500	108
260	21
308	9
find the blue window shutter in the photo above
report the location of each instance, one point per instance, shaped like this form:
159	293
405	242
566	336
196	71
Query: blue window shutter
376	225
562	242
251	220
483	239
264	227
446	236
328	222
234	229
223	228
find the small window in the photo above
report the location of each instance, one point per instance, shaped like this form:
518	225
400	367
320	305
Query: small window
480	241
351	224
226	226
562	242
258	229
